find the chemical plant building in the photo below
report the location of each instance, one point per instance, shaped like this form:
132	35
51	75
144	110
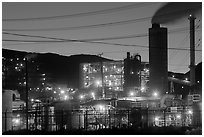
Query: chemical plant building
120	78
127	81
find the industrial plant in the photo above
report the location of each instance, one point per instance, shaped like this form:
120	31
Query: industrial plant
110	94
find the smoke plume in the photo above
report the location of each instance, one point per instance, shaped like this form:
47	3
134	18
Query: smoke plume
174	11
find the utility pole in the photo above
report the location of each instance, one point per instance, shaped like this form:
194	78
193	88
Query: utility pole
27	58
102	82
26	66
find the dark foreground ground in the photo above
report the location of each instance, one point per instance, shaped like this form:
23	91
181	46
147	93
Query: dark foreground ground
124	131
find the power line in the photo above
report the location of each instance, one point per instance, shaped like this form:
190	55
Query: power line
83	27
95	25
185	40
97	39
105	11
105	43
107	38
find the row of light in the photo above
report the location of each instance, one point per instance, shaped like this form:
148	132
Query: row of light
186	79
178	116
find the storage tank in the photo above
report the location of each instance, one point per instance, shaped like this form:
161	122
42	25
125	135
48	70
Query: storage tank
158	59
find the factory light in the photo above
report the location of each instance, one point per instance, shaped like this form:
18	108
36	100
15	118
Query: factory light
62	91
101	108
98	82
156	118
146	70
178	116
65	97
131	93
16	121
37	100
155	94
81	97
132	72
93	95
142	89
190	112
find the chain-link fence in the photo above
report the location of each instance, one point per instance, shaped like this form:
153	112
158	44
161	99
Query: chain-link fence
49	119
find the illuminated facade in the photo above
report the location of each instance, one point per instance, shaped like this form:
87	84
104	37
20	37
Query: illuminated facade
91	75
128	76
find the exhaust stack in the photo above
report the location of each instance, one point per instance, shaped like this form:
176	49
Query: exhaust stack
158	59
192	51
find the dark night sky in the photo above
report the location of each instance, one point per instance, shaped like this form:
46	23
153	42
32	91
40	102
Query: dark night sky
32	18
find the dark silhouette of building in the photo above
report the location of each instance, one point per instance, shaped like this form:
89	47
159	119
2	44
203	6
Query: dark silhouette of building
132	69
158	59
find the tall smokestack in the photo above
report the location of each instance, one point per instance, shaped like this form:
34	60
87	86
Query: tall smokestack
192	50
158	59
175	11
128	55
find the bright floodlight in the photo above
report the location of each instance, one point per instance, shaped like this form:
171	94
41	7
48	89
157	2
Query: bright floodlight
98	82
190	112
142	88
62	91
16	120
178	116
155	94
101	107
81	96
92	93
65	97
156	118
131	93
